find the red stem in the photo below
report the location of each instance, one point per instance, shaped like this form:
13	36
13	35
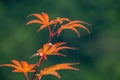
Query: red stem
26	76
52	33
49	29
54	27
50	39
40	62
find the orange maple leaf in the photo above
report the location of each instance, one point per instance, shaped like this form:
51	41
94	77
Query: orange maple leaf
21	67
43	19
52	69
72	25
52	49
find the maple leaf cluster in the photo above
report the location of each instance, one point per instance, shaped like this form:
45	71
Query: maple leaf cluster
48	48
44	20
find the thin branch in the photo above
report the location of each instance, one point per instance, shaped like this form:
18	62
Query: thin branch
49	29
54	27
26	76
38	66
42	58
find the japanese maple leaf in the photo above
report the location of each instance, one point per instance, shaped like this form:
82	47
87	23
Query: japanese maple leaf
52	49
21	67
43	19
52	69
72	26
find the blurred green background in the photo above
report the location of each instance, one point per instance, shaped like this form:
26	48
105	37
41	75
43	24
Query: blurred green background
99	53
